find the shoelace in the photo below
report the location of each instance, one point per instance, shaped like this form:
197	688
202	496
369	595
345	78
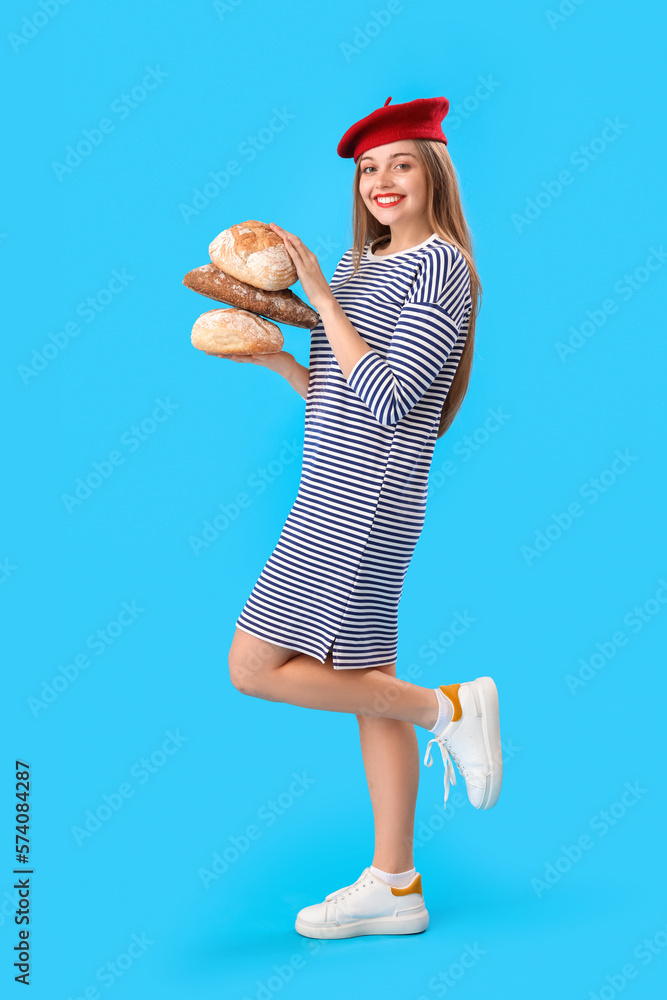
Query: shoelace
349	889
450	774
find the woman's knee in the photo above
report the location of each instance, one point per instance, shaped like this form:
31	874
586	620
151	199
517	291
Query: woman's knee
242	677
251	660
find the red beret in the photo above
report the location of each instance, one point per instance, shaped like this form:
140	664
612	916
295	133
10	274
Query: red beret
418	119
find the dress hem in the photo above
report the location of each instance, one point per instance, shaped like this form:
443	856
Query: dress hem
306	652
282	645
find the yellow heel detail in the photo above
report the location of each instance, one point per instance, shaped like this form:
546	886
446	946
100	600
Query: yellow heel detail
415	886
452	692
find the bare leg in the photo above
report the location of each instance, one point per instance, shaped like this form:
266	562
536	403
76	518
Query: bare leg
264	670
391	760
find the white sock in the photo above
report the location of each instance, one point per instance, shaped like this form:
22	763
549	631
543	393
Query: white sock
399	880
445	712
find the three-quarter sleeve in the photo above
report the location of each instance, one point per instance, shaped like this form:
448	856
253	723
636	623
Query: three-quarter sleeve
427	329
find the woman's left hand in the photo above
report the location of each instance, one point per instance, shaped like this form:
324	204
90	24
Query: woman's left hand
308	269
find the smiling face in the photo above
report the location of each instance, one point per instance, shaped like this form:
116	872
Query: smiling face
392	182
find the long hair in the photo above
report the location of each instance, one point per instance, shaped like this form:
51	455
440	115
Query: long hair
445	217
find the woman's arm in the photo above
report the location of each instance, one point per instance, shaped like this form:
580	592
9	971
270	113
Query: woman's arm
432	319
297	375
347	345
282	362
428	327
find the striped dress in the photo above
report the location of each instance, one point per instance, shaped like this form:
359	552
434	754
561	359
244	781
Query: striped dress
334	580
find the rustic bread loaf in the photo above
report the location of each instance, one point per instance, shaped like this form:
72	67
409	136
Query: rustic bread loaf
252	252
235	331
282	306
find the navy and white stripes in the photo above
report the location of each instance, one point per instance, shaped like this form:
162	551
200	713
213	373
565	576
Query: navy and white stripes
335	576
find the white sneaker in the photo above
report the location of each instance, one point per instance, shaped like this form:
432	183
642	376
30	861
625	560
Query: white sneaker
368	906
472	738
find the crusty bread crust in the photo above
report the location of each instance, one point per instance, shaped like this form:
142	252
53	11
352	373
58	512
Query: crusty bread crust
235	331
283	306
252	252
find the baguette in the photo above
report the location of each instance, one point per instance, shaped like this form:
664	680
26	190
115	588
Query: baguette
235	331
283	306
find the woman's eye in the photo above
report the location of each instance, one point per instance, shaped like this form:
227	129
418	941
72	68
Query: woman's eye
366	169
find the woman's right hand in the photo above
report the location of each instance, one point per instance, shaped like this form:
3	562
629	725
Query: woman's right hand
277	361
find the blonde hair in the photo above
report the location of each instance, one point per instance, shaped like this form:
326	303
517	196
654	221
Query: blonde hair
445	217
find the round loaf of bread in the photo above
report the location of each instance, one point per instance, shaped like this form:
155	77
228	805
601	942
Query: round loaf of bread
235	331
252	252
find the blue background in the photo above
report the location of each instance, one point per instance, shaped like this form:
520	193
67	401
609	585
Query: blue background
529	94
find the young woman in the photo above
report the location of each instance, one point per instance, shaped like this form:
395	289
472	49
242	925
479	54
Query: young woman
390	360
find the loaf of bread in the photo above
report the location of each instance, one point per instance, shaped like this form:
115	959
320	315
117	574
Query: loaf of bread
235	331
252	252
282	306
